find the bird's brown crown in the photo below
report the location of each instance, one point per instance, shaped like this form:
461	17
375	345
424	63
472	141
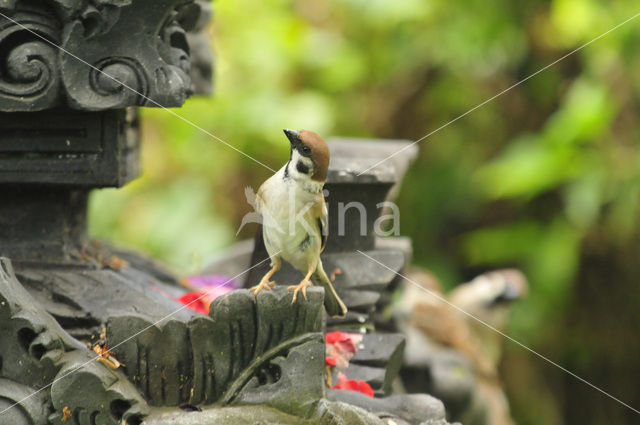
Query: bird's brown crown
319	154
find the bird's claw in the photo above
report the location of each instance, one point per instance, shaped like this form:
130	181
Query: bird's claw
302	286
264	284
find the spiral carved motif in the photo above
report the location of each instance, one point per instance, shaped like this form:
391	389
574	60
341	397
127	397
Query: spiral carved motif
120	76
95	54
29	76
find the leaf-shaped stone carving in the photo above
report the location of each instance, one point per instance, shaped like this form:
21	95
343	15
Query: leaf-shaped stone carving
45	366
244	342
31	341
94	394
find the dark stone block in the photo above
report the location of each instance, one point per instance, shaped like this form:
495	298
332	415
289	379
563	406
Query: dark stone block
382	351
41	224
351	223
201	54
353	321
361	273
360	301
379	349
358	271
356	188
374	376
71	148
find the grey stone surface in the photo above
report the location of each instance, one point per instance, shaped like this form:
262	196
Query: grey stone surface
28	411
85	296
378	351
73	148
246	415
292	382
327	413
413	408
368	152
358	174
340	413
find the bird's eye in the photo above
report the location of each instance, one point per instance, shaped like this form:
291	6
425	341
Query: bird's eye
306	150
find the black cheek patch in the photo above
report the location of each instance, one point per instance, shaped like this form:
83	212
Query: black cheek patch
302	168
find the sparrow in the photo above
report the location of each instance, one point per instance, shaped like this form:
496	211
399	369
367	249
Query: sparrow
294	217
488	298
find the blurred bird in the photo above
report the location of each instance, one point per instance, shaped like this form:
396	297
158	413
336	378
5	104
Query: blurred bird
294	217
487	298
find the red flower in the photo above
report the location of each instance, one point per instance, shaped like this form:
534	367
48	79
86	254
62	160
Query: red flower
353	385
196	301
330	361
340	347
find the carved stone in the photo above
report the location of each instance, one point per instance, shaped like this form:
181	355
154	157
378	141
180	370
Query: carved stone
49	370
413	408
197	362
71	74
142	44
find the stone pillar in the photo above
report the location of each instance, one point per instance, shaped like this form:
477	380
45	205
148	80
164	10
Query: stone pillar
72	75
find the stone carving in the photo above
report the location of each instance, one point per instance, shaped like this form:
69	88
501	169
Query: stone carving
28	411
117	53
212	360
66	130
249	352
46	371
31	78
31	342
94	394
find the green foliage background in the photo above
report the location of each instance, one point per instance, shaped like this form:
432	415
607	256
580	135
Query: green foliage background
546	177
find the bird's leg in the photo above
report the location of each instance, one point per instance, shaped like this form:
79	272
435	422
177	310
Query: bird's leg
264	282
302	286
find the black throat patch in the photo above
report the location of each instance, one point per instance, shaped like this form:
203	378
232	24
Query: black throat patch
302	168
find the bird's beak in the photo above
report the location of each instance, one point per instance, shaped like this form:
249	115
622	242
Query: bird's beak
510	294
293	136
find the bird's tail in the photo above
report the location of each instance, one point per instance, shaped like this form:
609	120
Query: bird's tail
332	302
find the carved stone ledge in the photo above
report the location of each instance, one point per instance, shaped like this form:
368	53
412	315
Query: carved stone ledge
142	44
223	358
40	360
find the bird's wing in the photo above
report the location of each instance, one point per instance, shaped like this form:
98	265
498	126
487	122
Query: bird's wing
259	197
250	195
323	223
